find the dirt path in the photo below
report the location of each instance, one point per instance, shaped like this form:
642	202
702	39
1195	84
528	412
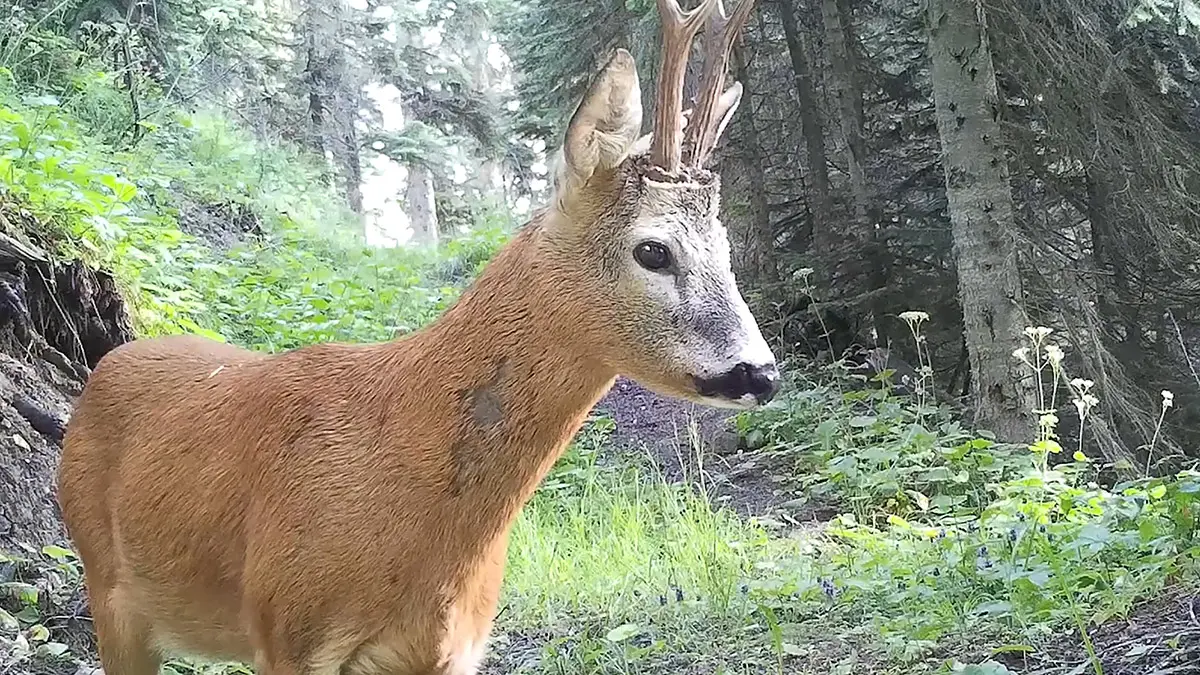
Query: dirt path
691	442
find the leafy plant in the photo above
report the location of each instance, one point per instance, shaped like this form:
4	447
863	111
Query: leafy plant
952	534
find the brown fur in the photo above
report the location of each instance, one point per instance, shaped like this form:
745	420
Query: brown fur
324	505
339	509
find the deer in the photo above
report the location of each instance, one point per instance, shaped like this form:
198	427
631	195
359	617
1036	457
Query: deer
345	509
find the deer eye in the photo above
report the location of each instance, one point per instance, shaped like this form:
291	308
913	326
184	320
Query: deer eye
652	255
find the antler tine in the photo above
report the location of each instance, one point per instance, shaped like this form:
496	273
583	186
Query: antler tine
678	30
722	31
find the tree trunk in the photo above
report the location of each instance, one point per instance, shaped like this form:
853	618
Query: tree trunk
849	99
813	129
981	213
420	206
348	157
334	94
873	275
489	181
762	234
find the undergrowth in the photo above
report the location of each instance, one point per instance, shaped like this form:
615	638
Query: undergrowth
951	543
305	276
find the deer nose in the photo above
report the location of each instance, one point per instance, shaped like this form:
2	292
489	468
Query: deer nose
761	382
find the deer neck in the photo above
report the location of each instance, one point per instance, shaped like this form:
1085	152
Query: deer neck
520	375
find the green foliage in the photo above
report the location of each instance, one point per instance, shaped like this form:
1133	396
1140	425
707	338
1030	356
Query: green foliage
618	571
597	535
555	44
94	210
292	288
876	452
26	632
953	537
307	278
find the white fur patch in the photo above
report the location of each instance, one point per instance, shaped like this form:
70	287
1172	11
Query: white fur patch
746	402
462	650
465	658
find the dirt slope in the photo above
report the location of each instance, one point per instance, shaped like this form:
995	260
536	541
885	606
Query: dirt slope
691	442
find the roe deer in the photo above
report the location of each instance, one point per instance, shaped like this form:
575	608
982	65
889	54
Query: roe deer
339	509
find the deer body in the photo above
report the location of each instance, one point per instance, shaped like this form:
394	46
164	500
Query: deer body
294	457
343	510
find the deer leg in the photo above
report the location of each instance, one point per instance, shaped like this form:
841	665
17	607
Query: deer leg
125	644
294	666
279	653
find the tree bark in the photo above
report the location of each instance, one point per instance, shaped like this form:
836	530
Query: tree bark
762	233
813	129
420	206
981	213
489	180
875	271
849	97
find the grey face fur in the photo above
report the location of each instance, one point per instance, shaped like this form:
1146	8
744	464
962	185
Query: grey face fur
672	327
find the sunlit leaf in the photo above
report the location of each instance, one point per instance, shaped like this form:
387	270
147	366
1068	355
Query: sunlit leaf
623	632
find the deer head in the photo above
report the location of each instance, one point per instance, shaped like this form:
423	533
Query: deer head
635	225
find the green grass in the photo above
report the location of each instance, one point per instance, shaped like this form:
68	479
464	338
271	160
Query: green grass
614	570
605	535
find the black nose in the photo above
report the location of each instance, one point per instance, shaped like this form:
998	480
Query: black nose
762	382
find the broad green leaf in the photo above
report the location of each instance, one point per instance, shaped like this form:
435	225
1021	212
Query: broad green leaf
921	500
57	552
26	593
8	622
994	608
623	632
1007	649
53	649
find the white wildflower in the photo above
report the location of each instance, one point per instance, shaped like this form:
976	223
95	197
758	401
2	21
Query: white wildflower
1081	385
1085	403
1038	334
1054	353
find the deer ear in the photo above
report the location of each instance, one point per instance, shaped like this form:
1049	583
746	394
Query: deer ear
608	119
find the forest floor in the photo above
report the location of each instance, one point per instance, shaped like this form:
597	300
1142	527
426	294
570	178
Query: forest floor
618	578
690	442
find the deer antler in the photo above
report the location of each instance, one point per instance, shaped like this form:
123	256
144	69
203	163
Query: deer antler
704	127
678	30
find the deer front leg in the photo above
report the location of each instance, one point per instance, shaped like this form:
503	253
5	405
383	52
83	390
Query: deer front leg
124	640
